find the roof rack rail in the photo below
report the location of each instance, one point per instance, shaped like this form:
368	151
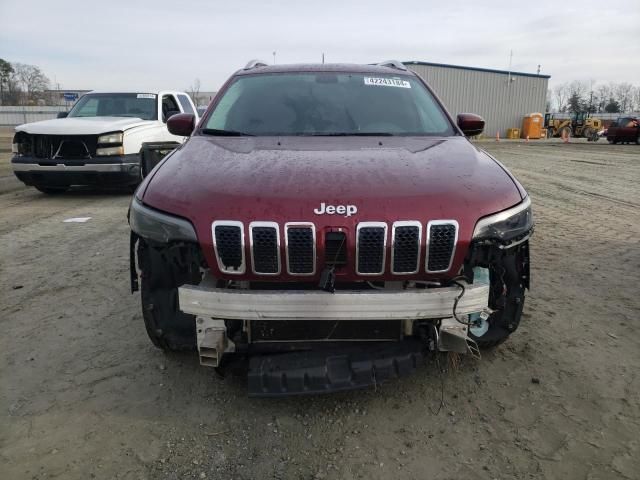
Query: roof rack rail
254	64
393	64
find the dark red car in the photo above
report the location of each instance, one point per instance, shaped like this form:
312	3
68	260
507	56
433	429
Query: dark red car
624	130
328	225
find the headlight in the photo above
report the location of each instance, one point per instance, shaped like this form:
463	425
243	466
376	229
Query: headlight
110	138
110	151
15	148
508	227
158	226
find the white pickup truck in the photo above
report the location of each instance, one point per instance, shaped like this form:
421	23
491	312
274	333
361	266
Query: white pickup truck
99	142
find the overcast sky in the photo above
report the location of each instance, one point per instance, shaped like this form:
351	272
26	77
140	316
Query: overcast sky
167	44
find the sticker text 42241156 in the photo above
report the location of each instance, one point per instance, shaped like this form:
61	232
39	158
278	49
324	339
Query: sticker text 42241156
386	82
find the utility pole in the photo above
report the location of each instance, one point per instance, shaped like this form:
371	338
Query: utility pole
323	58
274	57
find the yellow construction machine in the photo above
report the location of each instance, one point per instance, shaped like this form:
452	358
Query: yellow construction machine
578	125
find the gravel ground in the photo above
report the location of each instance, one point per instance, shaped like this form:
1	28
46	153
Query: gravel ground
83	394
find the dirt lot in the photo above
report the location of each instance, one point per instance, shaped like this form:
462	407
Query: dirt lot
83	394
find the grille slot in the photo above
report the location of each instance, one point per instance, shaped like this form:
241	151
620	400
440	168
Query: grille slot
370	248
228	242
405	256
442	236
335	249
265	248
301	249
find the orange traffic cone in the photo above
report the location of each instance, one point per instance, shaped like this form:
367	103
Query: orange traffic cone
565	136
498	136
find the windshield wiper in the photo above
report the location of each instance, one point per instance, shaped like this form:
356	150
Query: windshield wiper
353	134
225	133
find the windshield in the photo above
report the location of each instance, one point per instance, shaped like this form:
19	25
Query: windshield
327	104
136	105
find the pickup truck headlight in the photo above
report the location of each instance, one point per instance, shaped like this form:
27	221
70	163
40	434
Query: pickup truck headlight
508	227
110	144
115	137
161	227
15	148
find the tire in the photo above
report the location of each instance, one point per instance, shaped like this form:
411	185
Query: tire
587	133
638	140
168	328
51	190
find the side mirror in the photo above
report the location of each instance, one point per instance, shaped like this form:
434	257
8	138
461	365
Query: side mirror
470	124
181	124
62	114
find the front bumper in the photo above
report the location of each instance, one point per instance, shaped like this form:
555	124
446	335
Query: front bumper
119	170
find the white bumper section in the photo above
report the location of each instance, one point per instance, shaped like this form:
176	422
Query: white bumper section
229	304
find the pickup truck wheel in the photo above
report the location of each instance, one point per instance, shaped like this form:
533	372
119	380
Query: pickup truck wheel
51	190
167	327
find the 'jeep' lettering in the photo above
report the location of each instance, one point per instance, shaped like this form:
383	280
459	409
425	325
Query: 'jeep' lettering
346	210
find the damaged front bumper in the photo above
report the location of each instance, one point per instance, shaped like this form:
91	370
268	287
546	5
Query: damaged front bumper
332	366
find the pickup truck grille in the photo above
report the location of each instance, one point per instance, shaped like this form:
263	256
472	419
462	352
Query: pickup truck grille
302	257
71	147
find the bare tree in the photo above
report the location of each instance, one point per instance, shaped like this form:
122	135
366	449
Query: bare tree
33	81
194	91
561	95
623	93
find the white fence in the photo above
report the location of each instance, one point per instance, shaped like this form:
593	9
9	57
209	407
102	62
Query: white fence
11	116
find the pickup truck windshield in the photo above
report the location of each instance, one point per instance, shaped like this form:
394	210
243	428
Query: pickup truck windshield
327	103
136	105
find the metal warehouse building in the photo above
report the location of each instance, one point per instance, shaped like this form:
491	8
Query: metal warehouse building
502	98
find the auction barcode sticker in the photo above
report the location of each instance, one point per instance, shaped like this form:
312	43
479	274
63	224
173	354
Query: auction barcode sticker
387	82
146	95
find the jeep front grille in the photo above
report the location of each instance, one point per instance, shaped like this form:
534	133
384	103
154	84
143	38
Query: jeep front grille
228	242
442	236
301	255
371	243
265	248
301	248
406	239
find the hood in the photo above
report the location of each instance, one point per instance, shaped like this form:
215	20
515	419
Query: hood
386	178
288	179
81	126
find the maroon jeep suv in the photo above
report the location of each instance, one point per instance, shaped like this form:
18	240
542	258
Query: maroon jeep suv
327	226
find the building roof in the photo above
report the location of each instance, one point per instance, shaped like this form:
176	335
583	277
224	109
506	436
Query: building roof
476	69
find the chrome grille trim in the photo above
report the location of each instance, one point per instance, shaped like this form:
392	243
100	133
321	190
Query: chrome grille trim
309	225
453	250
361	225
407	223
229	223
276	227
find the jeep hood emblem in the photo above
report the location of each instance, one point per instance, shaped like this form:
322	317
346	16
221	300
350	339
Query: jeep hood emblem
346	210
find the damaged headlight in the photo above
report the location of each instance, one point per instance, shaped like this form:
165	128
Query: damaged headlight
508	227
161	227
110	144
